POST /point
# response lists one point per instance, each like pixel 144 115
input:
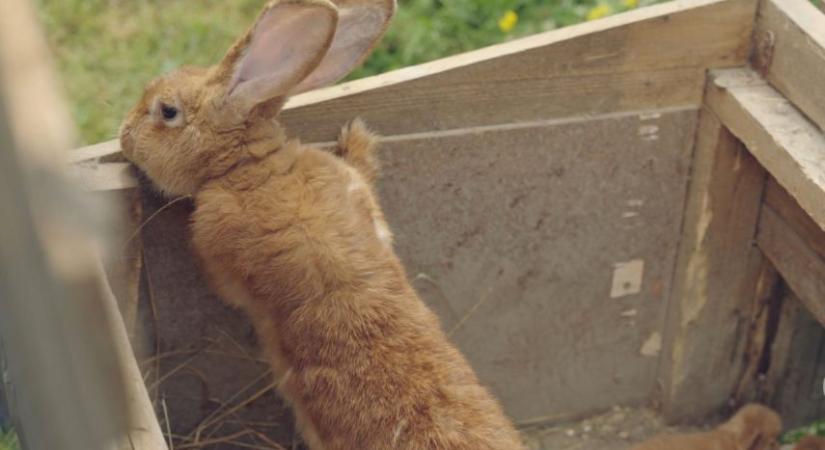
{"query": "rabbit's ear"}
pixel 285 45
pixel 361 23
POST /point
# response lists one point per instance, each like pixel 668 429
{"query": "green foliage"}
pixel 8 440
pixel 424 30
pixel 107 50
pixel 816 429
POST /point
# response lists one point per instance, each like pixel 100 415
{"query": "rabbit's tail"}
pixel 356 145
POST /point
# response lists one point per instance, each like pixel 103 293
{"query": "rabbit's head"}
pixel 197 123
pixel 756 427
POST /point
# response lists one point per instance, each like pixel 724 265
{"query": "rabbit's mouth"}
pixel 127 142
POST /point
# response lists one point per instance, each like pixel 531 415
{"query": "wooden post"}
pixel 716 274
pixel 62 339
pixel 796 57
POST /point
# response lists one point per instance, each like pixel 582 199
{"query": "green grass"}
pixel 106 50
pixel 8 440
pixel 816 429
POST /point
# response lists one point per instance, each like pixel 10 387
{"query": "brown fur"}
pixel 754 427
pixel 295 237
pixel 810 443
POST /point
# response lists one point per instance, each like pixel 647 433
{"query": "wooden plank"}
pixel 773 375
pixel 789 210
pixel 800 366
pixel 94 151
pixel 65 358
pixel 758 352
pixel 801 267
pixel 795 63
pixel 628 62
pixel 94 176
pixel 788 145
pixel 144 431
pixel 715 278
pixel 465 97
pixel 632 61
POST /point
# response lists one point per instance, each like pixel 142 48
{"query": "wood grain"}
pixel 715 278
pixel 784 141
pixel 796 245
pixel 634 61
pixel 796 67
pixel 800 222
pixel 74 382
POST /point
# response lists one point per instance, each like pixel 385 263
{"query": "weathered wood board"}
pixel 639 60
pixel 784 141
pixel 799 396
pixel 796 246
pixel 716 278
pixel 792 33
pixel 546 248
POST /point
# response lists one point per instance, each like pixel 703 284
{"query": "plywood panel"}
pixel 201 356
pixel 514 237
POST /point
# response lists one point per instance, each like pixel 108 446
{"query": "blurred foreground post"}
pixel 68 372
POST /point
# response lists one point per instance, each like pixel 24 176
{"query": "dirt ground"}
pixel 618 429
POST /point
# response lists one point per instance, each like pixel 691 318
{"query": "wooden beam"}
pixel 793 32
pixel 786 207
pixel 144 431
pixel 94 176
pixel 632 61
pixel 786 143
pixel 759 335
pixel 796 246
pixel 94 151
pixel 716 276
pixel 62 340
pixel 800 266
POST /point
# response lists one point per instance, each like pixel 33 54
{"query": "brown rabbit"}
pixel 810 443
pixel 753 427
pixel 295 237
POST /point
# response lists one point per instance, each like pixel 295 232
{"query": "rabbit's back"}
pixel 362 359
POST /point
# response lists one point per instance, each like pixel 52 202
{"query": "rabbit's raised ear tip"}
pixel 328 4
pixel 284 45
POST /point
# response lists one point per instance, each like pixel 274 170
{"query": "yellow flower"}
pixel 597 12
pixel 508 21
pixel 629 4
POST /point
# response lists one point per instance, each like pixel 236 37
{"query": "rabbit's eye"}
pixel 168 112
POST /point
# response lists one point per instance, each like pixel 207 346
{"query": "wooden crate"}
pixel 624 212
